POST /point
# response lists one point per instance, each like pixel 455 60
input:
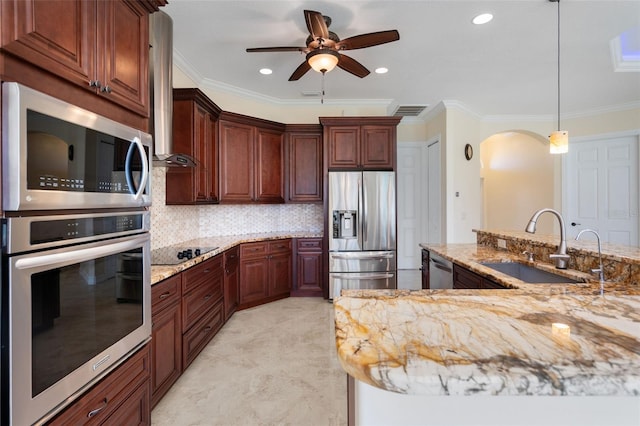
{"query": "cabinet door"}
pixel 236 162
pixel 212 159
pixel 305 168
pixel 425 269
pixel 254 279
pixel 269 164
pixel 344 147
pixel 201 151
pixel 166 351
pixel 56 35
pixel 378 147
pixel 123 53
pixel 180 181
pixel 231 281
pixel 279 274
pixel 309 274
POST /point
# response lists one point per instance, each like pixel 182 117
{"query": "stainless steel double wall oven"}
pixel 75 251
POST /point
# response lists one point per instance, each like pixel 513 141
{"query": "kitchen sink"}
pixel 528 274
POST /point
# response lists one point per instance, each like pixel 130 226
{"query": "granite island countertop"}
pixel 223 243
pixel 490 342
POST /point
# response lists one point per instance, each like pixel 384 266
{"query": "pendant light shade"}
pixel 323 60
pixel 558 140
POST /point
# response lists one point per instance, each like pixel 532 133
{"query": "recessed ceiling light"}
pixel 382 70
pixel 265 71
pixel 482 18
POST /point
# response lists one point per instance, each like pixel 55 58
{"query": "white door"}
pixel 601 188
pixel 412 216
pixel 434 201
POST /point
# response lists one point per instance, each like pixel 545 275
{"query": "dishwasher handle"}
pixel 440 265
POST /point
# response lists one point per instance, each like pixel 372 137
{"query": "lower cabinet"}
pixel 425 269
pixel 308 267
pixel 202 306
pixel 265 272
pixel 121 398
pixel 166 334
pixel 465 279
pixel 231 281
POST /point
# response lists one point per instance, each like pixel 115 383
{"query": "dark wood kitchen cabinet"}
pixel 251 160
pixel 304 165
pixel 122 397
pixel 360 143
pixel 265 272
pixel 425 269
pixel 308 267
pixel 166 336
pixel 194 133
pixel 466 279
pixel 231 281
pixel 101 48
pixel 202 306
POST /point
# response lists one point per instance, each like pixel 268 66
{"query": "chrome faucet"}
pixel 561 257
pixel 600 269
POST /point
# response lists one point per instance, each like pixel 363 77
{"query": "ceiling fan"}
pixel 324 47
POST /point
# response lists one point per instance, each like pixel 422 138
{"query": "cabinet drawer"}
pixel 251 250
pixel 201 333
pixel 279 246
pixel 231 259
pixel 165 293
pixel 200 300
pixel 103 399
pixel 201 273
pixel 309 244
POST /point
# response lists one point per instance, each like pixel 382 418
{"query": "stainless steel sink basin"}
pixel 527 273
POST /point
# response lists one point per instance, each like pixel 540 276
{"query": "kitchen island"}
pixel 532 354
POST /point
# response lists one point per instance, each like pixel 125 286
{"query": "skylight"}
pixel 625 51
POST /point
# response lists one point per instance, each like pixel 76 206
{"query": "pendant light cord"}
pixel 558 64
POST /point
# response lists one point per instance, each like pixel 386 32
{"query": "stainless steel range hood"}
pixel 161 90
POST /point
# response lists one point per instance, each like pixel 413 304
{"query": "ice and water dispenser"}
pixel 345 223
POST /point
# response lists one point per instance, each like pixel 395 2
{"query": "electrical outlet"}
pixel 502 243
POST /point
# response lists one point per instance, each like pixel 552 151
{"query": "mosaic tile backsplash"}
pixel 171 225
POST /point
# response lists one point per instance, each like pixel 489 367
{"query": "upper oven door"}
pixel 56 155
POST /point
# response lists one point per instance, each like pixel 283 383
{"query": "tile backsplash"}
pixel 173 224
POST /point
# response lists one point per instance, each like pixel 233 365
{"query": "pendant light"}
pixel 559 139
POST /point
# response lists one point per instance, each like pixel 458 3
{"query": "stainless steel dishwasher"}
pixel 440 272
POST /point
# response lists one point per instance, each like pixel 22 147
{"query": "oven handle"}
pixel 145 168
pixel 81 254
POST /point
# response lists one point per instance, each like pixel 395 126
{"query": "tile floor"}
pixel 270 365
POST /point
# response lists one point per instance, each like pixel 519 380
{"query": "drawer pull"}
pixel 165 295
pixel 97 410
pixel 206 329
pixel 206 271
pixel 207 297
pixel 232 256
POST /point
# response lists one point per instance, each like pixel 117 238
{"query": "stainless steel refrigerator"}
pixel 362 231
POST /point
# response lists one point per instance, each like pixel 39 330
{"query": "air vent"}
pixel 409 110
pixel 311 94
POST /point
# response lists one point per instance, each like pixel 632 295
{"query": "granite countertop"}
pixel 472 255
pixel 223 243
pixel 490 342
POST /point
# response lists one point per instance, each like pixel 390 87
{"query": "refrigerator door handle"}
pixel 362 256
pixel 368 276
pixel 363 210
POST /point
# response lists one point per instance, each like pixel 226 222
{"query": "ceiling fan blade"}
pixel 368 40
pixel 300 71
pixel 278 49
pixel 316 25
pixel 351 65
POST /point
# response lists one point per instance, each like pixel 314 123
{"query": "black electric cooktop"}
pixel 175 255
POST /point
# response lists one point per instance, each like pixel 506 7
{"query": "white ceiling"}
pixel 508 66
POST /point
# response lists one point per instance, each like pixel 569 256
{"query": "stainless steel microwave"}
pixel 59 156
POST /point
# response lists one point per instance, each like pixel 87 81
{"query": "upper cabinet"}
pixel 360 143
pixel 304 165
pixel 251 160
pixel 101 47
pixel 195 134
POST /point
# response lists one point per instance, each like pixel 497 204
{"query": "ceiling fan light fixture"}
pixel 266 71
pixel 323 60
pixel 382 70
pixel 483 18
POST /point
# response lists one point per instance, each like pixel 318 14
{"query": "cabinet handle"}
pixel 206 329
pixel 97 410
pixel 206 271
pixel 95 83
pixel 207 297
pixel 165 295
pixel 106 89
pixel 232 256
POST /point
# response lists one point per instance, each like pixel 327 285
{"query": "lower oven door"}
pixel 360 280
pixel 74 313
